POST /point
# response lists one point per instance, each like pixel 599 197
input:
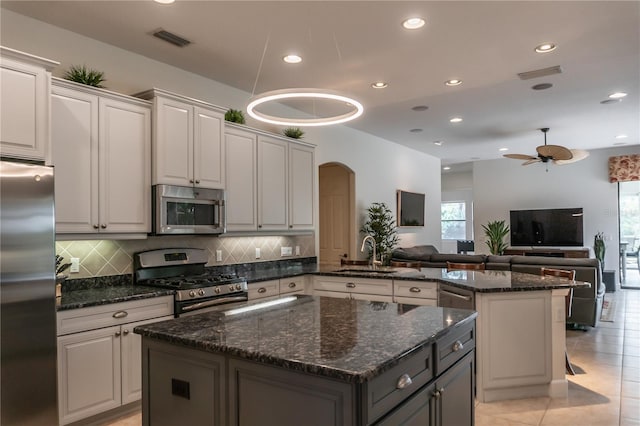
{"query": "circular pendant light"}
pixel 278 95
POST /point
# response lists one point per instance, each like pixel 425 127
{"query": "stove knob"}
pixel 201 292
pixel 238 287
pixel 192 293
pixel 217 290
pixel 231 287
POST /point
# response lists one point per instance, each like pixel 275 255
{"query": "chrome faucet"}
pixel 374 262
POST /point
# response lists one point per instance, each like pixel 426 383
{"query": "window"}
pixel 454 222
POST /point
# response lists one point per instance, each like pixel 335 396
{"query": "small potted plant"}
pixel 495 232
pixel 234 116
pixel 293 132
pixel 599 248
pixel 82 74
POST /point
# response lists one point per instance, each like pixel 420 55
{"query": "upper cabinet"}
pixel 270 182
pixel 101 150
pixel 24 105
pixel 188 148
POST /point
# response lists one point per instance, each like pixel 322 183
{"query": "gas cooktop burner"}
pixel 196 281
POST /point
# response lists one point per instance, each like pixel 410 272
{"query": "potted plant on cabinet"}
pixel 82 74
pixel 599 248
pixel 234 116
pixel 381 225
pixel 495 232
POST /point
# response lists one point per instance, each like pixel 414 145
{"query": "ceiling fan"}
pixel 556 153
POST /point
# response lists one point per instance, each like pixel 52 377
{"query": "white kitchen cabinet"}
pixel 188 147
pixel 99 356
pixel 101 150
pixel 293 285
pixel 25 84
pixel 263 289
pixel 270 182
pixel 415 292
pixel 378 290
pixel 241 165
pixel 273 188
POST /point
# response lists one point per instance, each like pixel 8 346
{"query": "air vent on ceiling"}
pixel 528 75
pixel 171 38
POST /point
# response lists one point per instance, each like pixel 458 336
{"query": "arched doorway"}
pixel 337 213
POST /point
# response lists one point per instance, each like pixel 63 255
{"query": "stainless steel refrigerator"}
pixel 27 296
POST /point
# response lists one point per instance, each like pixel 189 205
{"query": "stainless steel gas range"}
pixel 183 270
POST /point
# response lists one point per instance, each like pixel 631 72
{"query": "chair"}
pixel 467 266
pixel 571 275
pixel 344 261
pixel 400 264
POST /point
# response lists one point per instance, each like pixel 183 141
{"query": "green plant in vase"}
pixel 234 116
pixel 599 248
pixel 381 225
pixel 495 232
pixel 82 74
pixel 293 132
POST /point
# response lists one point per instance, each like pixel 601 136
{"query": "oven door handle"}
pixel 214 302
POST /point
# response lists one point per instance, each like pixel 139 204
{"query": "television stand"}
pixel 577 253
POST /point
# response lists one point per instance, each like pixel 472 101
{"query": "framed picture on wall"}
pixel 410 208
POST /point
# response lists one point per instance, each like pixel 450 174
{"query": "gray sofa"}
pixel 587 302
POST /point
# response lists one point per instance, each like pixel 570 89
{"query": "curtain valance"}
pixel 624 168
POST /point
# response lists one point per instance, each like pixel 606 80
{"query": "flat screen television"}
pixel 410 209
pixel 547 227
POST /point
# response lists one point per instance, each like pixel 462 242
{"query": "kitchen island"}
pixel 311 361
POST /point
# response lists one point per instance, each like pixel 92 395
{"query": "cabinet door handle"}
pixel 438 393
pixel 259 226
pixel 95 226
pixel 292 285
pixel 351 285
pixel 190 180
pixel 197 181
pixel 118 333
pixel 290 226
pixel 120 314
pixel 125 332
pixel 457 346
pixel 262 290
pixel 415 290
pixel 103 226
pixel 404 381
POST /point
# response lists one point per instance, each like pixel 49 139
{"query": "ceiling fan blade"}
pixel 531 161
pixel 578 154
pixel 556 152
pixel 520 156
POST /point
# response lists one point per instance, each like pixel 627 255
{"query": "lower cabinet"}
pixel 100 369
pixel 375 290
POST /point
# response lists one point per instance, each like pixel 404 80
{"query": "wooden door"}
pixel 336 213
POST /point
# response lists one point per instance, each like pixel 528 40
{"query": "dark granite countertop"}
pixel 104 295
pixel 478 281
pixel 350 340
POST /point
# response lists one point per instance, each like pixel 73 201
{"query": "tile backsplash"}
pixel 115 257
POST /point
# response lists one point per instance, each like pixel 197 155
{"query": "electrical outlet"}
pixel 75 265
pixel 257 252
pixel 297 250
pixel 285 251
pixel 218 255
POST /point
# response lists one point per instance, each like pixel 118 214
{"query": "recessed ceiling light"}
pixel 545 47
pixel 292 59
pixel 456 120
pixel 164 1
pixel 503 149
pixel 379 84
pixel 413 23
pixel 438 143
pixel 610 101
pixel 446 168
pixel 617 95
pixel 415 130
pixel 453 82
pixel 621 137
pixel 420 108
pixel 542 86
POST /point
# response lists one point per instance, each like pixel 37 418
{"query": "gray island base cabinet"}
pixel 261 370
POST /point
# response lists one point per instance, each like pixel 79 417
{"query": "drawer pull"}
pixel 415 290
pixel 262 290
pixel 404 381
pixel 438 393
pixel 125 332
pixel 292 285
pixel 457 346
pixel 118 333
pixel 120 314
pixel 351 285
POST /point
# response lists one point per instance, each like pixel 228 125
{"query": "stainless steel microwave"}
pixel 188 210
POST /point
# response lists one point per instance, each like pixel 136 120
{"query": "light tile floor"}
pixel 604 392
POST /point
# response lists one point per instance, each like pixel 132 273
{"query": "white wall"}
pixel 503 185
pixel 381 167
pixel 458 187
